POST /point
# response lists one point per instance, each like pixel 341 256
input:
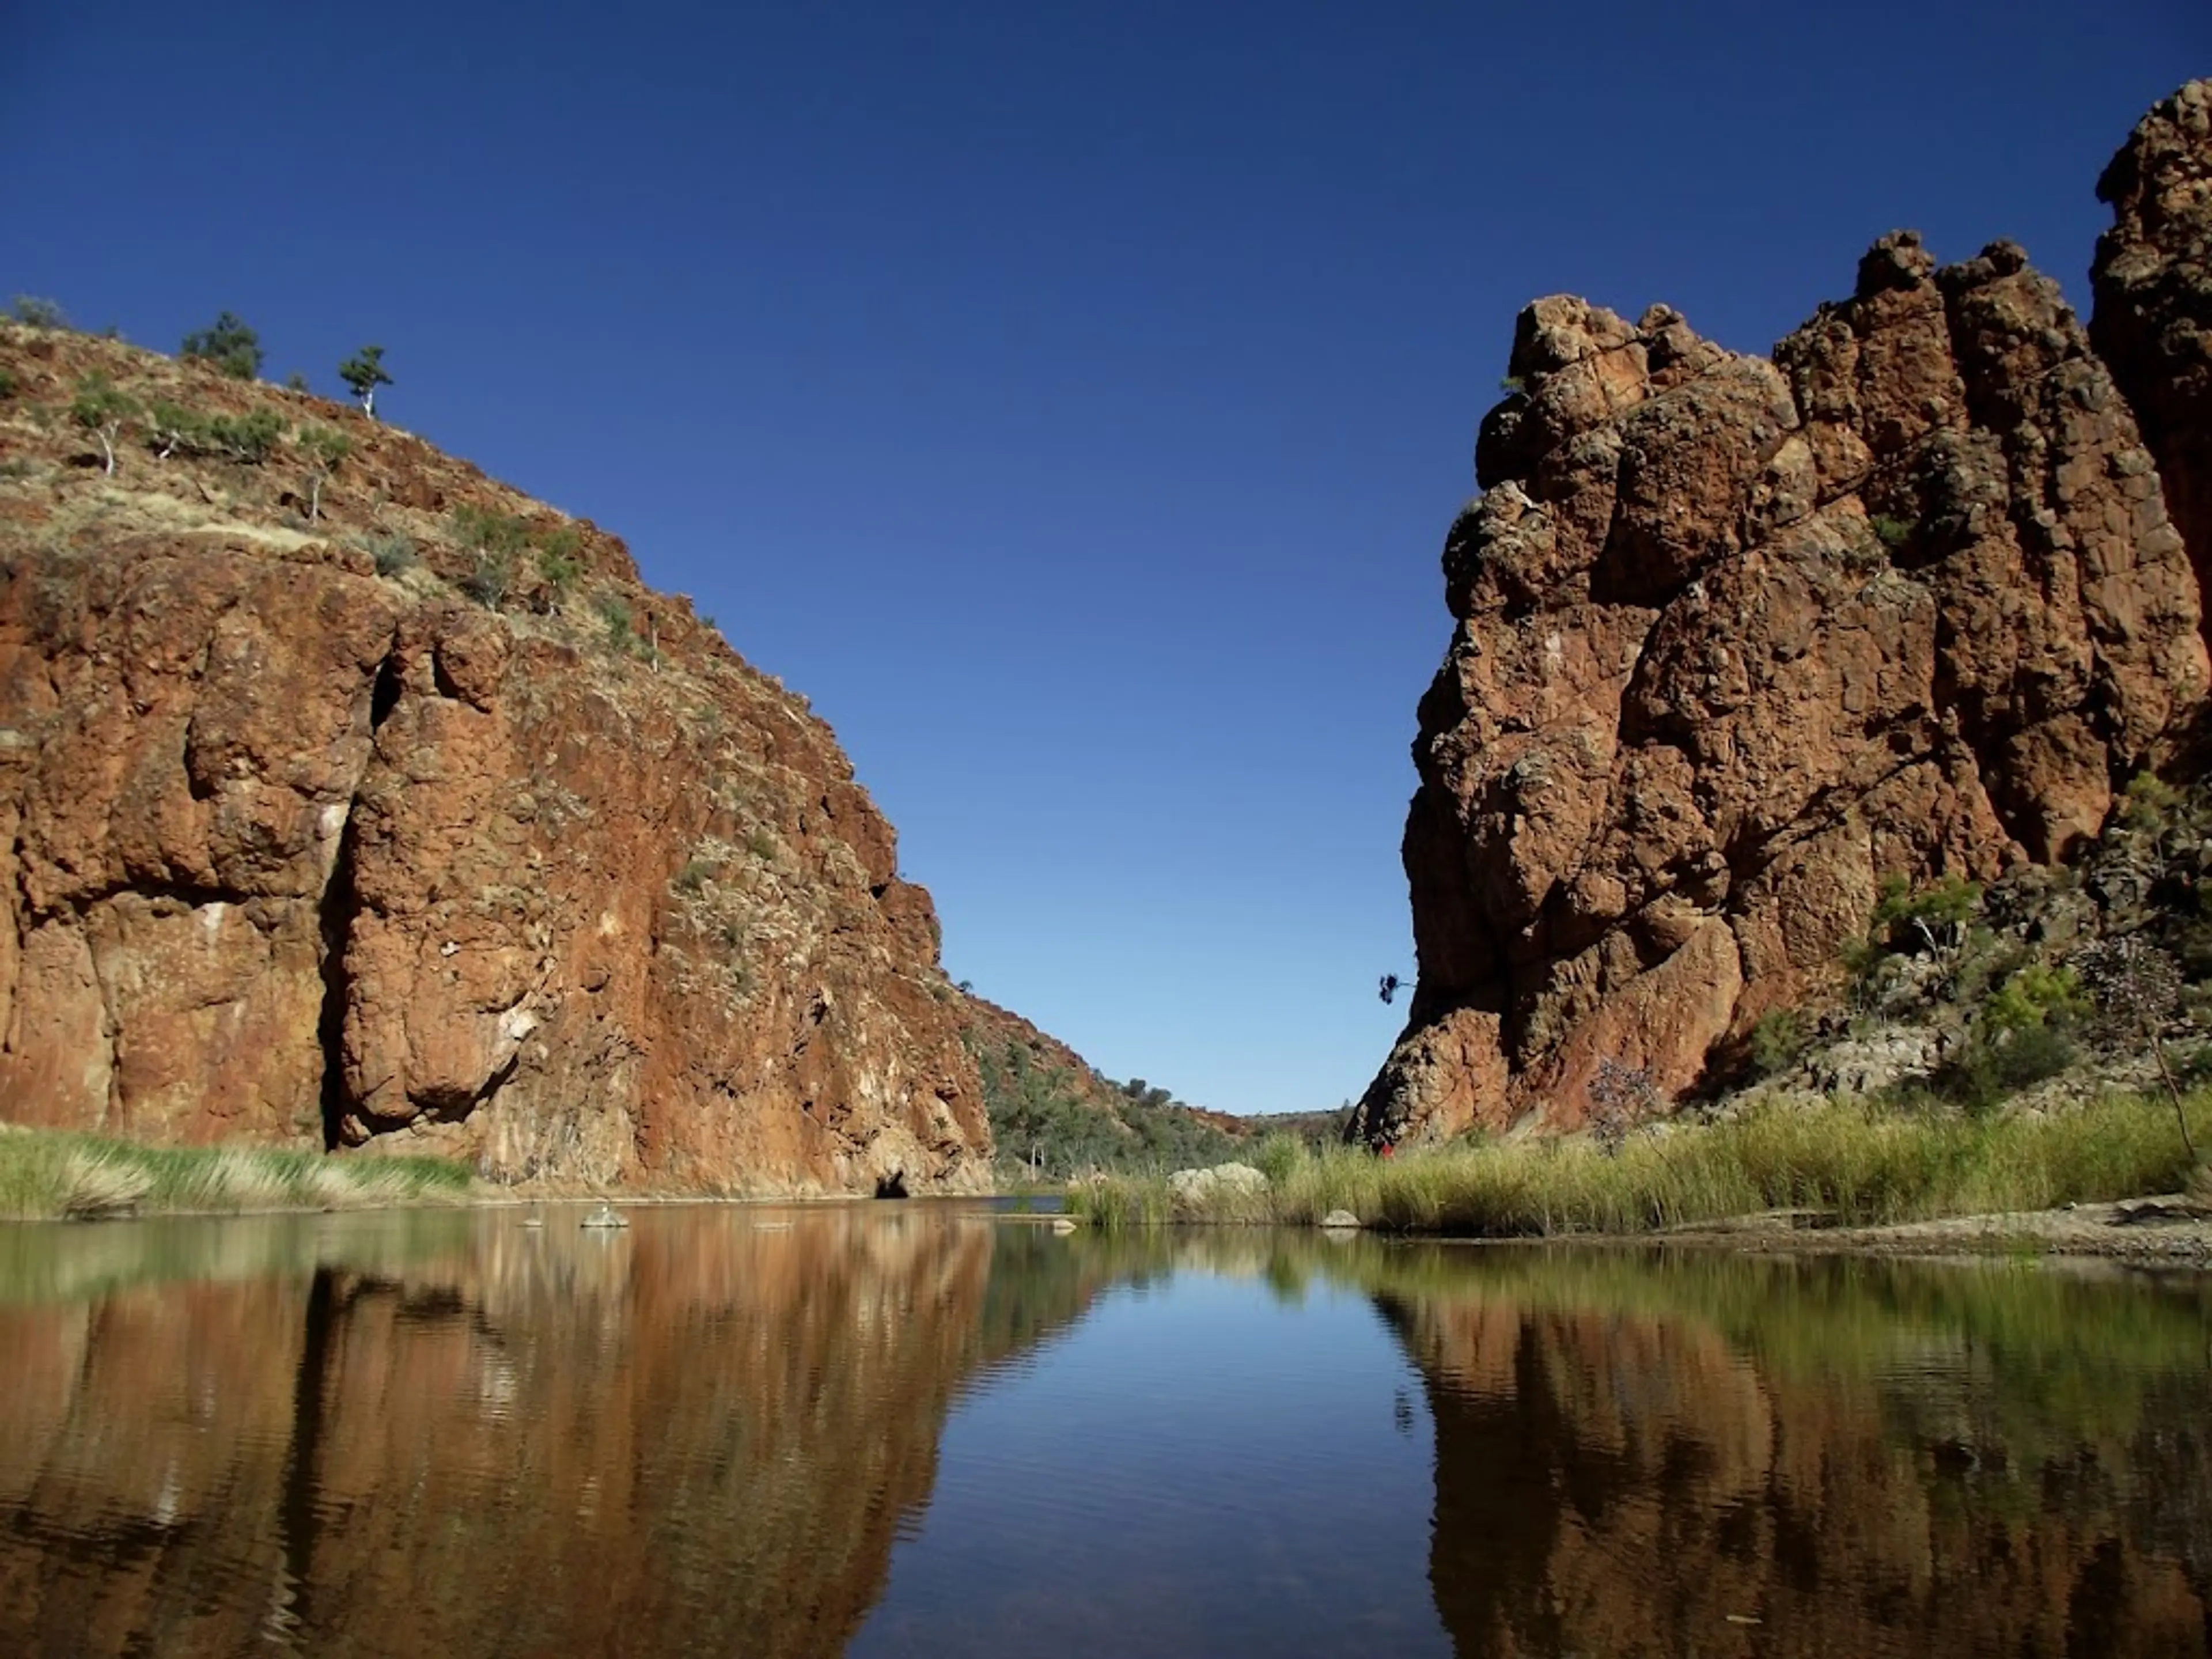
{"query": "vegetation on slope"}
pixel 1055 1121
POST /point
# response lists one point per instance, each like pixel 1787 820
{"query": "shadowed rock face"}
pixel 2153 279
pixel 1637 1484
pixel 1740 637
pixel 699 1438
pixel 298 852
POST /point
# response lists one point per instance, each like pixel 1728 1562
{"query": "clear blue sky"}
pixel 1071 399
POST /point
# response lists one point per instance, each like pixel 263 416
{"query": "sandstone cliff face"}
pixel 2152 278
pixel 1740 637
pixel 295 852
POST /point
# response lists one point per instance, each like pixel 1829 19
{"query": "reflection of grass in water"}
pixel 54 1173
pixel 60 1264
pixel 2052 1349
pixel 1859 1163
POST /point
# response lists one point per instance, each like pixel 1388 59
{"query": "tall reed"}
pixel 1851 1161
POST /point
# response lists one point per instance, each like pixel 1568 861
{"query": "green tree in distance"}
pixel 229 345
pixel 363 373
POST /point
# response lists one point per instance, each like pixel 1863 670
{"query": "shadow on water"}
pixel 711 1431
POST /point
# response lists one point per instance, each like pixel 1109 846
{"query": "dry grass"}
pixel 1857 1164
pixel 45 1174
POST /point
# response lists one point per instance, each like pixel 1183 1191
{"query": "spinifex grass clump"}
pixel 1855 1163
pixel 45 1174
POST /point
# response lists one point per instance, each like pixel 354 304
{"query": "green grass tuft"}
pixel 49 1173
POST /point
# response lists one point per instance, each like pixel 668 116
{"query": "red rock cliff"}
pixel 419 822
pixel 1739 637
pixel 2153 285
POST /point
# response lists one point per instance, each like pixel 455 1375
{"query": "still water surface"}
pixel 917 1428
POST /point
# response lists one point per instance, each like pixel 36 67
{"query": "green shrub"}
pixel 492 532
pixel 615 615
pixel 172 430
pixel 1892 533
pixel 694 875
pixel 251 438
pixel 8 384
pixel 103 411
pixel 559 569
pixel 393 554
pixel 228 345
pixel 33 313
pixel 1779 1040
pixel 762 845
pixel 2035 997
pixel 489 582
pixel 2150 803
pixel 1908 917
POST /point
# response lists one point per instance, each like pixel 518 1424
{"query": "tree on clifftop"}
pixel 229 345
pixel 364 372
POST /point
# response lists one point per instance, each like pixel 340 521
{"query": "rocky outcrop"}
pixel 420 822
pixel 1737 639
pixel 2152 277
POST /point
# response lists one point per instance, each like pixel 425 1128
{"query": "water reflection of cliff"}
pixel 693 1437
pixel 1727 1457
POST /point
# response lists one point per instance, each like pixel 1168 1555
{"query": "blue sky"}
pixel 1070 398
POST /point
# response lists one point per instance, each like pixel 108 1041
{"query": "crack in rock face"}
pixel 1740 637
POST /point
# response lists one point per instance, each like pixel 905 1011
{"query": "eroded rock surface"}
pixel 303 844
pixel 2153 321
pixel 1740 637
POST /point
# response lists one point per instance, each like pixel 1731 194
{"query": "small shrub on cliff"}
pixel 557 560
pixel 2151 805
pixel 489 582
pixel 1892 533
pixel 103 411
pixel 228 345
pixel 620 626
pixel 692 877
pixel 325 449
pixel 1779 1040
pixel 32 311
pixel 393 554
pixel 171 428
pixel 1934 917
pixel 8 384
pixel 491 531
pixel 250 438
